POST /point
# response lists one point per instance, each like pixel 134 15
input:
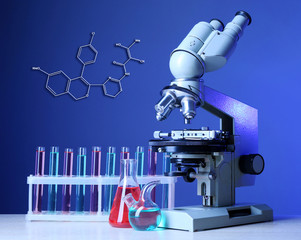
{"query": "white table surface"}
pixel 15 227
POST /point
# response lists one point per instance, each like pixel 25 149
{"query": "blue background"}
pixel 263 72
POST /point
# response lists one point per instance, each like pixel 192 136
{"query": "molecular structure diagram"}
pixel 70 81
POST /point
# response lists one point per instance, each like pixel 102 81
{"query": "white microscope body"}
pixel 206 48
pixel 220 160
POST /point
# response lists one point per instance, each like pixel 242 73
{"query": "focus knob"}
pixel 251 164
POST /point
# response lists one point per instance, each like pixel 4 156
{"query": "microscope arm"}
pixel 241 120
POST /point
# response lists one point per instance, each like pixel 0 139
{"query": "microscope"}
pixel 220 160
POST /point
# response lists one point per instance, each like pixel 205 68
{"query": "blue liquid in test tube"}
pixel 139 156
pixel 167 167
pixel 81 172
pixel 110 171
pixel 53 171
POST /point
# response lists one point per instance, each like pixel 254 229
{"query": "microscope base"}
pixel 197 218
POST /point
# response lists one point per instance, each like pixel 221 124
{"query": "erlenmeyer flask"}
pixel 127 184
pixel 144 215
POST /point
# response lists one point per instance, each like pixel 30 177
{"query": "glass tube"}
pixel 110 171
pixel 167 167
pixel 67 172
pixel 39 171
pixel 125 153
pixel 95 171
pixel 81 172
pixel 53 171
pixel 152 165
pixel 139 156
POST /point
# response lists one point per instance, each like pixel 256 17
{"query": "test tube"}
pixel 67 172
pixel 125 153
pixel 139 156
pixel 95 171
pixel 39 171
pixel 81 172
pixel 53 171
pixel 167 167
pixel 110 171
pixel 152 164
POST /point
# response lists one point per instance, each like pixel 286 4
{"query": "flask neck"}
pixel 147 189
pixel 128 173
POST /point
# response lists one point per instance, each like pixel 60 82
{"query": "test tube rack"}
pixel 88 180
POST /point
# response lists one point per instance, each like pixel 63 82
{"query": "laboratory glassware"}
pixel 53 171
pixel 125 153
pixel 110 171
pixel 95 172
pixel 152 165
pixel 139 155
pixel 144 214
pixel 67 172
pixel 39 171
pixel 127 184
pixel 167 167
pixel 81 172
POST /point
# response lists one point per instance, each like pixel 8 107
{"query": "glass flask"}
pixel 127 184
pixel 144 215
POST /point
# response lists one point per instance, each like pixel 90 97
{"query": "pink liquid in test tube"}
pixel 39 171
pixel 67 172
pixel 125 153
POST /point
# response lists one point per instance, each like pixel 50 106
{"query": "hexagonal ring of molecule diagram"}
pixel 52 83
pixel 106 89
pixel 87 50
pixel 79 88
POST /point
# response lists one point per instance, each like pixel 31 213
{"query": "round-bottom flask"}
pixel 144 215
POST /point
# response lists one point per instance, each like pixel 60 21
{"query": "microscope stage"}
pixel 192 146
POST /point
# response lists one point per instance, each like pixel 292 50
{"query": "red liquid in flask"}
pixel 119 216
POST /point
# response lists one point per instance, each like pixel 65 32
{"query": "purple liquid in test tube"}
pixel 152 165
pixel 67 172
pixel 39 171
pixel 125 153
pixel 95 171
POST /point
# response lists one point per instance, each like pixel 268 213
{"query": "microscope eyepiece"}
pixel 221 27
pixel 245 14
